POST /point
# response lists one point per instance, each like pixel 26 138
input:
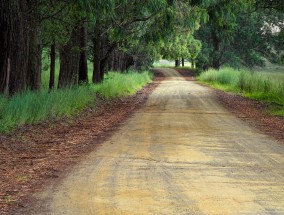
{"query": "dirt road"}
pixel 180 154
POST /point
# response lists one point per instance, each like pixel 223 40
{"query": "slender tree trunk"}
pixel 182 62
pixel 216 54
pixel 115 60
pixel 35 52
pixel 106 55
pixel 52 66
pixel 83 64
pixel 109 63
pixel 97 54
pixel 69 61
pixel 136 63
pixel 192 64
pixel 121 61
pixel 177 63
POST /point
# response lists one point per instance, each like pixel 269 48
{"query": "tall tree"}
pixel 83 62
pixel 14 43
pixel 244 38
pixel 69 60
pixel 35 49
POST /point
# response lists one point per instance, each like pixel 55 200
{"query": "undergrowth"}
pixel 34 107
pixel 250 84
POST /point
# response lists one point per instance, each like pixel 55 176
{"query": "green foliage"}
pixel 250 84
pixel 181 46
pixel 157 28
pixel 34 107
pixel 240 34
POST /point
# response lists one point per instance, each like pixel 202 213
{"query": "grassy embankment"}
pixel 35 107
pixel 262 85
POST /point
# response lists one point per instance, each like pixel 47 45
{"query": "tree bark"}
pixel 177 63
pixel 137 65
pixel 182 62
pixel 97 54
pixel 216 54
pixel 4 55
pixel 69 60
pixel 14 43
pixel 104 60
pixel 52 66
pixel 115 65
pixel 83 63
pixel 35 55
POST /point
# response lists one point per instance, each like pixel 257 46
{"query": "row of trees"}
pixel 117 34
pixel 113 34
pixel 242 34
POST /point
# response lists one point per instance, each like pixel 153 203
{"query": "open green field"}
pixel 265 84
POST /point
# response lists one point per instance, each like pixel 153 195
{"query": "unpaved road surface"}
pixel 180 154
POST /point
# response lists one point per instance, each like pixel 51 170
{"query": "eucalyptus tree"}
pixel 239 35
pixel 174 22
pixel 21 42
pixel 71 21
pixel 181 47
pixel 121 22
pixel 16 46
pixel 69 51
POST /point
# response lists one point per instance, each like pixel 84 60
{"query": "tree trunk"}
pixel 177 63
pixel 35 52
pixel 115 65
pixel 216 53
pixel 136 63
pixel 97 54
pixel 182 62
pixel 106 55
pixel 52 66
pixel 14 46
pixel 109 63
pixel 4 55
pixel 69 61
pixel 83 64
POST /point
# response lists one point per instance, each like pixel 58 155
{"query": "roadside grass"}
pixel 125 84
pixel 267 87
pixel 34 107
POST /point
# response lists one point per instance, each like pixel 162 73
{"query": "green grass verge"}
pixel 35 107
pixel 124 84
pixel 260 86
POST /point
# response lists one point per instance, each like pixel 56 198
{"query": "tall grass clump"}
pixel 226 76
pixel 33 107
pixel 250 84
pixel 122 84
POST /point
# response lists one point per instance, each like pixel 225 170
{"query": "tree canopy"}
pixel 122 34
